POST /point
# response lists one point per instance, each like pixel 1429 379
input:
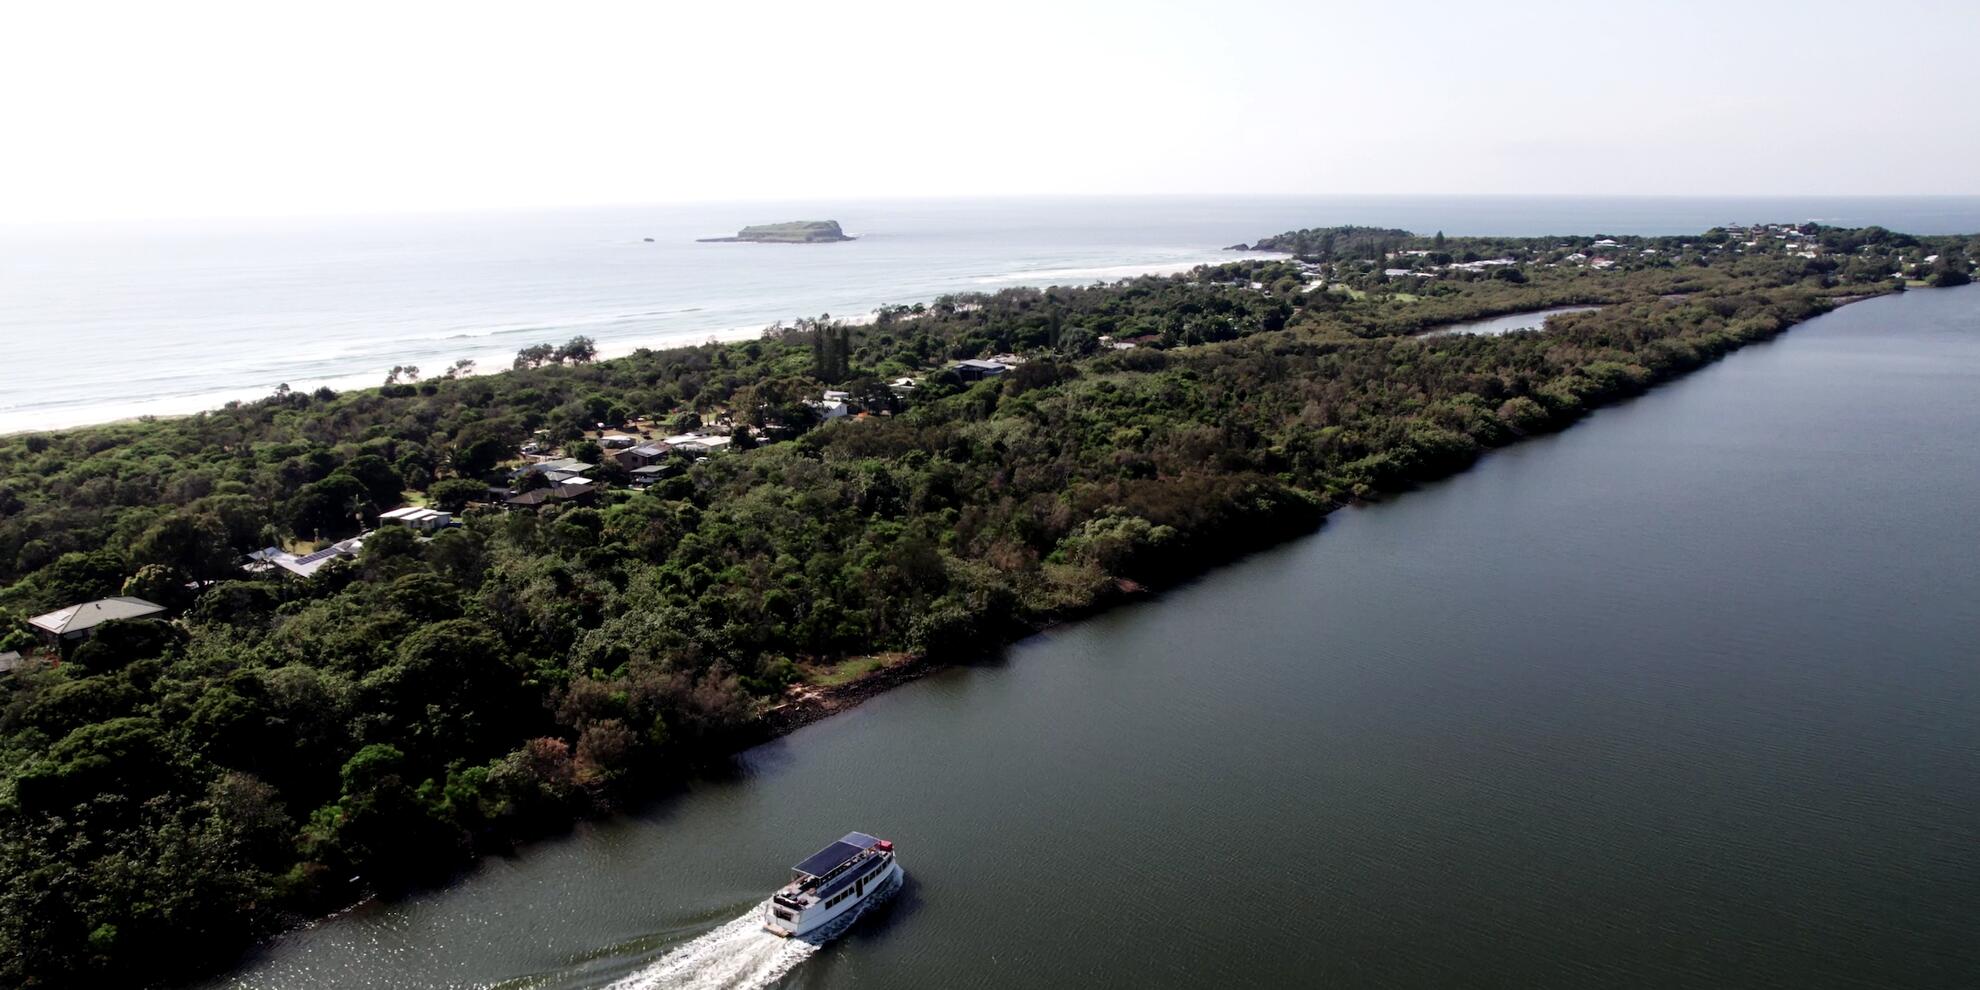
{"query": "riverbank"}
pixel 379 726
pixel 1609 707
pixel 831 692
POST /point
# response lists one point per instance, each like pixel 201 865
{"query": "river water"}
pixel 1688 694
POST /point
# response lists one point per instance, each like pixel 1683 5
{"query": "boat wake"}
pixel 740 955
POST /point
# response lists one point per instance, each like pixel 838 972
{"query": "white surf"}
pixel 740 955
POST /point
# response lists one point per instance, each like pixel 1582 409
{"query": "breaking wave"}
pixel 740 955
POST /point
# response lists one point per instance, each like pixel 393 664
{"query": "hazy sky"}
pixel 191 108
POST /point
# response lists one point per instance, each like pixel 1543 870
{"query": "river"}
pixel 1688 694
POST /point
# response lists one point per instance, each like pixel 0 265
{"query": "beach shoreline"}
pixel 45 419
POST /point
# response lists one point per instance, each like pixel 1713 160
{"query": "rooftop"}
pixel 835 855
pixel 79 618
pixel 310 563
pixel 412 513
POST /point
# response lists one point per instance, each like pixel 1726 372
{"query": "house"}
pixel 304 565
pixel 565 492
pixel 564 465
pixel 829 409
pixel 617 441
pixel 428 521
pixel 976 371
pixel 11 661
pixel 645 477
pixel 634 458
pixel 902 386
pixel 263 560
pixel 558 470
pixel 702 445
pixel 77 621
pixel 837 395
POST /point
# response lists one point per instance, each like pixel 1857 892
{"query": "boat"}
pixel 830 884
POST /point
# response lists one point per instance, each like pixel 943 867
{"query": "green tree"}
pixel 194 545
pixel 478 456
pixel 454 494
pixel 383 826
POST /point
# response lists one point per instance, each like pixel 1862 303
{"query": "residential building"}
pixel 564 492
pixel 701 445
pixel 303 565
pixel 634 458
pixel 428 521
pixel 77 622
pixel 645 477
pixel 976 371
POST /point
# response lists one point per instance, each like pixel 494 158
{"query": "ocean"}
pixel 108 322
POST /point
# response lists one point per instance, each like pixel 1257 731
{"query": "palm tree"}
pixel 357 506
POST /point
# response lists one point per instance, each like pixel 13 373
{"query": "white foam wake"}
pixel 739 955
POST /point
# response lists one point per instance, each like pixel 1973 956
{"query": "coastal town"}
pixel 441 615
pixel 605 460
pixel 1863 255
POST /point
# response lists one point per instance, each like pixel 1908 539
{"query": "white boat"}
pixel 831 883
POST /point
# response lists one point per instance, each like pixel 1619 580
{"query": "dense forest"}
pixel 282 746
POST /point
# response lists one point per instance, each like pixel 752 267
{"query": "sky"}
pixel 191 109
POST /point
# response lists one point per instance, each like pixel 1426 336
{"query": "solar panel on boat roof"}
pixel 825 860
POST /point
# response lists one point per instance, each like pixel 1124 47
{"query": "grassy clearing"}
pixel 843 673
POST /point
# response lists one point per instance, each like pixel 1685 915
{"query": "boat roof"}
pixel 835 855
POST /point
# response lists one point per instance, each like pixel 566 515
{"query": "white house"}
pixel 700 444
pixel 423 520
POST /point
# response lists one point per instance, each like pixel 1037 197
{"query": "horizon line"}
pixel 851 199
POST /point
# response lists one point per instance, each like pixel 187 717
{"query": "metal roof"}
pixel 77 618
pixel 835 855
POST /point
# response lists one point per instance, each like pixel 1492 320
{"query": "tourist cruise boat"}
pixel 830 884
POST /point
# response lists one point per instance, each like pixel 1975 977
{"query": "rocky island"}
pixel 794 232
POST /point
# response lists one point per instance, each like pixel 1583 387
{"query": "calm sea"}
pixel 105 322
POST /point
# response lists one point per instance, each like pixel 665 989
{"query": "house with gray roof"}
pixel 976 371
pixel 76 622
pixel 634 458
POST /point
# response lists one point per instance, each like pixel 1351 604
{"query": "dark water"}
pixel 1688 695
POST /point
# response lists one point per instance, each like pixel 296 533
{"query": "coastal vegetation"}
pixel 283 746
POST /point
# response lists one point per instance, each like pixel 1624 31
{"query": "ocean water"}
pixel 106 322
